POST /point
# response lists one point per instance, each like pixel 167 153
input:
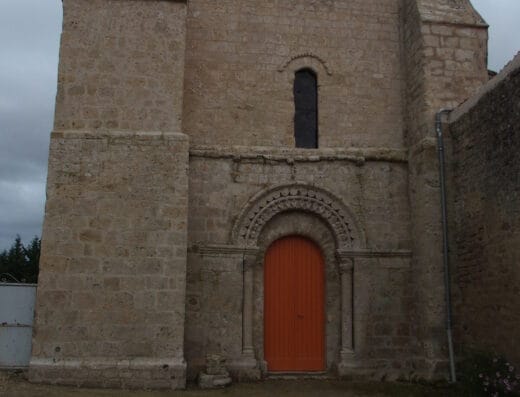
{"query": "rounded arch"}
pixel 306 61
pixel 297 197
pixel 307 69
pixel 298 223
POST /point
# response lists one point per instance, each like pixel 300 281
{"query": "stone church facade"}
pixel 174 169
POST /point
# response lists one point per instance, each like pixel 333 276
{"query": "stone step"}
pixel 299 375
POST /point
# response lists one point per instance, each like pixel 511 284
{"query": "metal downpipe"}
pixel 447 286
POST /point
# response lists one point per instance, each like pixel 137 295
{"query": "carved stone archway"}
pixel 348 237
pixel 297 197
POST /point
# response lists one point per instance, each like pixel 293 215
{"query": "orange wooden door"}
pixel 294 337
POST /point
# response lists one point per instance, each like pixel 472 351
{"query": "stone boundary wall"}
pixel 485 237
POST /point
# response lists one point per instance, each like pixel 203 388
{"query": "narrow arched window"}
pixel 306 109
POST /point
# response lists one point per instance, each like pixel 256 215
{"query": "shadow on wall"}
pixel 485 212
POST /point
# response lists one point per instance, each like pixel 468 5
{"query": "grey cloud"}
pixel 503 17
pixel 29 37
pixel 21 211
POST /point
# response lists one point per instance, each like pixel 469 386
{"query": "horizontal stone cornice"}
pixel 110 134
pixel 368 253
pixel 221 250
pixel 457 24
pixel 290 155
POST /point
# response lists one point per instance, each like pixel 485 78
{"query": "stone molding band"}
pixel 222 250
pixel 233 250
pixel 112 134
pixel 344 254
pixel 290 156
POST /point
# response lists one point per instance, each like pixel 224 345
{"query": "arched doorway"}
pixel 294 291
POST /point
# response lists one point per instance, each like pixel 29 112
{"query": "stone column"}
pixel 247 313
pixel 246 367
pixel 346 359
pixel 363 285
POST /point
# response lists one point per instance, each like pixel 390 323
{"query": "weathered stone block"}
pixel 207 381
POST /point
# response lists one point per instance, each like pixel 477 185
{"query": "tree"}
pixel 32 255
pixel 19 263
pixel 3 262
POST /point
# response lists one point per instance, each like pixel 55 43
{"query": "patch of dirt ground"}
pixel 16 386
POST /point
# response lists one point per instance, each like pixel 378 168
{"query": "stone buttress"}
pixel 110 302
pixel 444 62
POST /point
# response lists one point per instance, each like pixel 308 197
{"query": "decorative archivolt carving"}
pixel 296 197
pixel 308 57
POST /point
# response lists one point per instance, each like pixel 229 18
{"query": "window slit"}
pixel 306 109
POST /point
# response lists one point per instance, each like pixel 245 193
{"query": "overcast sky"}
pixel 29 39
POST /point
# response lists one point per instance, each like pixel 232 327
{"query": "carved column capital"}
pixel 250 258
pixel 346 265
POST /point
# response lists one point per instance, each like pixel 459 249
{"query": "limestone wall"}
pixel 135 75
pixel 444 61
pixel 223 181
pixel 241 57
pixel 110 304
pixel 380 85
pixel 485 237
pixel 121 65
